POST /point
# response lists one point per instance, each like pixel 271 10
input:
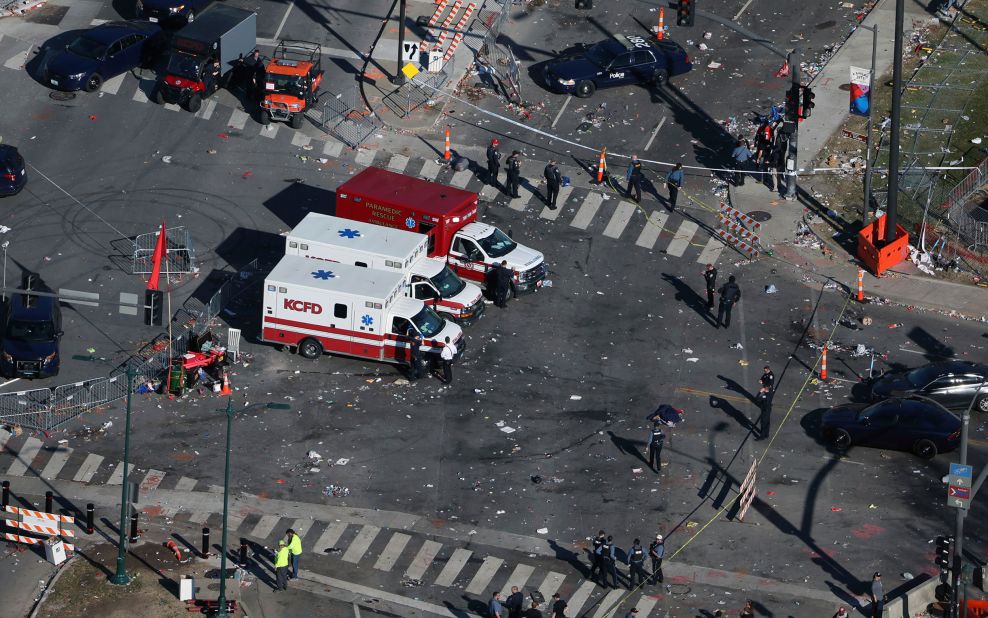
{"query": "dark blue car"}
pixel 915 424
pixel 172 12
pixel 32 327
pixel 616 62
pixel 104 52
pixel 13 175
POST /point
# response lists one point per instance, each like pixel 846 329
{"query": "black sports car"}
pixel 952 384
pixel 914 424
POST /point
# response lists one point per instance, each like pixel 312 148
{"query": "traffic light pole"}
pixel 866 208
pixel 793 139
pixel 958 557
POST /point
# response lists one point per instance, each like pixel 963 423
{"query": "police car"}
pixel 615 62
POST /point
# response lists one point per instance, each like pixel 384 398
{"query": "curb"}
pixel 51 584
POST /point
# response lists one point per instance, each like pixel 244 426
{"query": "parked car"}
pixel 32 327
pixel 952 384
pixel 914 424
pixel 13 175
pixel 104 52
pixel 171 12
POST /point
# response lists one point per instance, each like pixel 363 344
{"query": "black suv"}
pixel 32 326
pixel 952 384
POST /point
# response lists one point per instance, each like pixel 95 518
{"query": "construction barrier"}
pixel 747 490
pixel 732 212
pixel 440 8
pixel 602 165
pixel 447 155
pixel 460 25
pixel 860 285
pixel 446 24
pixel 30 540
pixel 662 23
pixel 65 519
pixel 39 529
pixel 738 244
pixel 823 363
pixel 739 230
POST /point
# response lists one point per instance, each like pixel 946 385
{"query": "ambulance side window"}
pixel 339 311
pixel 400 326
pixel 467 248
pixel 424 291
pixel 361 264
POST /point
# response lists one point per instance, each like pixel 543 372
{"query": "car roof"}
pixel 957 367
pixel 8 153
pixel 114 30
pixel 41 307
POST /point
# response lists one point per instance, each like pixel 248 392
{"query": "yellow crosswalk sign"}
pixel 410 70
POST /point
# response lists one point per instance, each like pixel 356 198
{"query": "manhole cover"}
pixel 56 95
pixel 760 216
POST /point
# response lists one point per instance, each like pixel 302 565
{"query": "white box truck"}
pixel 430 280
pixel 316 306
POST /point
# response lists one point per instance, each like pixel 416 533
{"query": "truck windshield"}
pixel 184 65
pixel 286 84
pixel 448 283
pixel 497 244
pixel 25 330
pixel 428 322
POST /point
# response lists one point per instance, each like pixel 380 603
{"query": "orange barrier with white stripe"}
pixel 602 165
pixel 736 228
pixel 30 540
pixel 32 527
pixel 738 244
pixel 447 155
pixel 460 25
pixel 446 24
pixel 440 8
pixel 823 364
pixel 65 519
pixel 860 285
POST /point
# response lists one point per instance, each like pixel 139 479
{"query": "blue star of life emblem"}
pixel 410 223
pixel 366 320
pixel 323 274
pixel 348 233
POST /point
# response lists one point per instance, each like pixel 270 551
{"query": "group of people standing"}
pixel 730 295
pixel 288 555
pixel 768 155
pixel 604 559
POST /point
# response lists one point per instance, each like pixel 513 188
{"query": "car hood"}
pixel 842 415
pixel 523 258
pixel 67 63
pixel 33 350
pixel 892 384
pixel 573 68
pixel 163 4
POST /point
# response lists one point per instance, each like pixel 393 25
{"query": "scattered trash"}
pixel 737 346
pixel 166 159
pixel 637 470
pixel 692 359
pixel 342 461
pixel 543 531
pixel 313 456
pixel 687 350
pixel 575 397
pixel 508 430
pixel 107 425
pixel 336 491
pixel 537 479
pixel 771 289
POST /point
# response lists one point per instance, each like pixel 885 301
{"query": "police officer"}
pixel 674 182
pixel 655 440
pixel 764 401
pixel 248 73
pixel 609 557
pixel 710 279
pixel 212 75
pixel 636 564
pixel 553 178
pixel 415 354
pixel 493 162
pixel 635 176
pixel 514 173
pixel 730 293
pixel 741 155
pixel 514 603
pixel 657 551
pixel 502 284
pixel 768 378
pixel 596 560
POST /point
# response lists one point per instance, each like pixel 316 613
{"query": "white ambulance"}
pixel 316 306
pixel 430 280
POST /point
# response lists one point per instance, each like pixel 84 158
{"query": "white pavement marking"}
pixel 332 148
pixel 25 456
pixel 549 213
pixel 172 107
pixel 711 251
pixel 551 583
pixel 519 577
pixel 460 179
pixel 88 469
pixel 98 22
pixel 301 527
pixel 284 18
pixel 185 484
pixel 139 95
pixel 484 575
pixel 4 436
pixel 610 601
pixel 149 483
pixel 653 227
pixel 655 132
pixel 560 112
pixel 361 543
pixel 264 527
pixel 682 238
pixel 112 85
pixel 453 567
pixel 301 140
pixel 398 163
pixel 356 610
pixel 579 598
pixel 430 169
pixel 619 220
pixel 421 607
pixel 128 303
pixel 270 131
pixel 116 477
pixel 530 187
pixel 743 9
pixel 238 119
pixel 199 517
pixel 17 62
pixel 232 521
pixel 329 537
pixel 9 382
pixel 206 111
pixel 396 545
pixel 365 157
pixel 645 605
pixel 587 211
pixel 489 193
pixel 422 560
pixel 56 463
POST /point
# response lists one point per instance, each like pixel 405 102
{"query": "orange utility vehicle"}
pixel 291 80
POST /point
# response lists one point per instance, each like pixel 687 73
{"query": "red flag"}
pixel 784 71
pixel 159 254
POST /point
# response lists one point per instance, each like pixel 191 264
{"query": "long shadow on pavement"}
pixel 689 296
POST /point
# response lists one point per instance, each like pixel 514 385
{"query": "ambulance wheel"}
pixel 296 121
pixel 194 103
pixel 310 348
pixel 585 88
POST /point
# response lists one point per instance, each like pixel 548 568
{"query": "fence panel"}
pixel 26 408
pixel 71 400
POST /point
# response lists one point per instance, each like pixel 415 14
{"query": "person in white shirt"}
pixel 446 355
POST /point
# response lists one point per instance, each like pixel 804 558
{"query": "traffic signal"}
pixel 808 103
pixel 685 13
pixel 153 307
pixel 942 558
pixel 792 103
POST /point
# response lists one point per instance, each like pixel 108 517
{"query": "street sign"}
pixel 410 70
pixel 959 486
pixel 409 51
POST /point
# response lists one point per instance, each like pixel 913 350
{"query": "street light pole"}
pixel 399 78
pixel 226 500
pixel 120 578
pixel 5 244
pixel 961 513
pixel 791 156
pixel 892 205
pixel 866 208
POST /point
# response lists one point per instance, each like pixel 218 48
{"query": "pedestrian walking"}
pixel 596 558
pixel 533 611
pixel 710 280
pixel 514 603
pixel 657 551
pixel 636 565
pixel 730 294
pixel 558 607
pixel 748 611
pixel 609 556
pixel 414 354
pixel 655 441
pixel 446 355
pixel 767 378
pixel 741 156
pixel 493 162
pixel 281 560
pixel 635 176
pixel 295 547
pixel 841 612
pixel 494 608
pixel 674 182
pixel 514 173
pixel 877 595
pixel 764 401
pixel 553 180
pixel 502 283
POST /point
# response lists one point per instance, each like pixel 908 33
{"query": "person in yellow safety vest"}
pixel 295 547
pixel 281 566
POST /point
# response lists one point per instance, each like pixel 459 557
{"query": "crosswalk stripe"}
pixel 645 605
pixel 199 517
pixel 172 107
pixel 587 210
pixel 139 94
pixel 579 598
pixel 711 251
pixel 430 169
pixel 460 179
pixel 551 583
pixel 238 119
pixel 484 575
pixel 185 484
pixel 301 527
pixel 97 22
pixel 422 560
pixel 489 193
pixel 519 577
pixel 17 62
pixel 453 567
pixel 619 220
pixel 332 148
pixel 88 469
pixel 206 111
pixel 112 85
pixel 25 456
pixel 329 537
pixel 653 227
pixel 232 521
pixel 149 483
pixel 552 215
pixel 300 139
pixel 396 545
pixel 528 191
pixel 682 238
pixel 365 157
pixel 264 526
pixel 361 544
pixel 398 163
pixel 117 476
pixel 613 598
pixel 56 463
pixel 270 131
pixel 4 436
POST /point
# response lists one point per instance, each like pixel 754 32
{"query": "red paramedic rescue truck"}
pixel 448 215
pixel 316 306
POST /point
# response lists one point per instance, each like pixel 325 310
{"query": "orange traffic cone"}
pixel 174 548
pixel 823 364
pixel 447 155
pixel 226 385
pixel 601 166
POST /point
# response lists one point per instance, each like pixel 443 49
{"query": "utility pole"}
pixel 120 578
pixel 958 557
pixel 399 78
pixel 866 207
pixel 893 198
pixel 793 145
